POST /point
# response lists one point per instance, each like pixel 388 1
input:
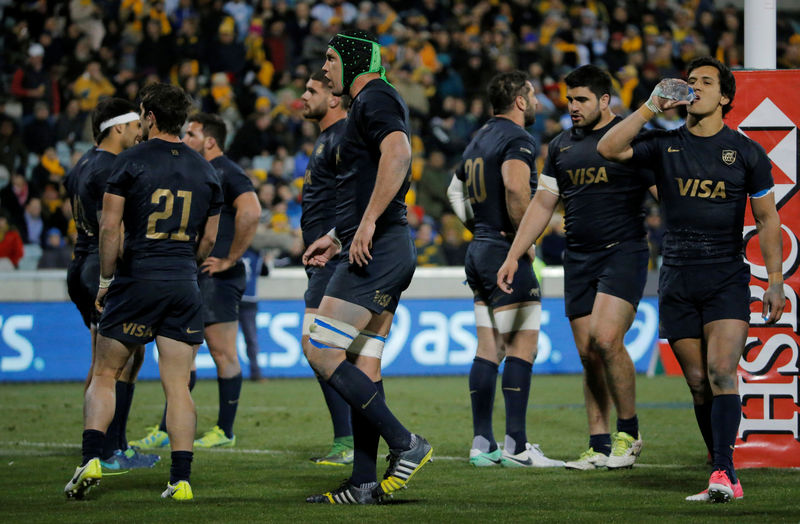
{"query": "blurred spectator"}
pixel 154 54
pixel 11 247
pixel 32 227
pixel 39 133
pixel 429 246
pixel 70 124
pixel 655 235
pixel 49 170
pixel 431 188
pixel 92 86
pixel 253 138
pixel 554 243
pixel 56 254
pixel 13 155
pixel 14 197
pixel 454 245
pixel 32 83
pixel 227 55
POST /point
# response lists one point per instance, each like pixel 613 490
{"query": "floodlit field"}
pixel 281 423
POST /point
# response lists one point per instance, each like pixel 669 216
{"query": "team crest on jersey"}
pixel 320 149
pixel 728 156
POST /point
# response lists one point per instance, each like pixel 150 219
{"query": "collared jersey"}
pixel 170 191
pixel 377 111
pixel 497 141
pixel 319 184
pixel 703 184
pixel 603 200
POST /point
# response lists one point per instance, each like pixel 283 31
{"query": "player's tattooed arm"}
pixel 248 211
pixel 110 241
pixel 208 239
pixel 535 220
pixel 769 237
pixel 392 171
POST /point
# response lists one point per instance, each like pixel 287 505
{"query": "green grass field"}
pixel 283 422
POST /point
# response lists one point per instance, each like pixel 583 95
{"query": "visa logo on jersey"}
pixel 695 187
pixel 588 175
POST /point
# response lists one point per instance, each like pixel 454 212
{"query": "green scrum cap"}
pixel 360 54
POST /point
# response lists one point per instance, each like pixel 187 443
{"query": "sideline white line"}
pixel 28 444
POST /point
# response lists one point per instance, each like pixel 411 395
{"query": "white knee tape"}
pixel 308 319
pixel 520 319
pixel 331 333
pixel 483 316
pixel 368 344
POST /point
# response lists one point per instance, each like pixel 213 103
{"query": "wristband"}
pixel 652 105
pixel 332 234
pixel 105 282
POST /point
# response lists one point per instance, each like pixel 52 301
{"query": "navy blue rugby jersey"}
pixel 234 183
pixel 603 200
pixel 170 191
pixel 497 141
pixel 703 184
pixel 84 204
pixel 377 111
pixel 319 184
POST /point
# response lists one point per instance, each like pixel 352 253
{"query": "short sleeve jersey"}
pixel 234 183
pixel 497 141
pixel 377 111
pixel 603 200
pixel 86 202
pixel 170 191
pixel 319 184
pixel 703 184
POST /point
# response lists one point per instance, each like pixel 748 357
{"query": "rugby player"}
pixel 705 173
pixel 499 172
pixel 605 265
pixel 222 275
pixel 169 199
pixel 116 127
pixel 376 263
pixel 319 191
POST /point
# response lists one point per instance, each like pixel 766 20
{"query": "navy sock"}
pixel 365 446
pixel 111 442
pixel 92 446
pixel 482 387
pixel 601 443
pixel 363 396
pixel 192 381
pixel 726 413
pixel 629 426
pixel 338 408
pixel 702 412
pixel 123 421
pixel 181 467
pixel 516 389
pixel 229 390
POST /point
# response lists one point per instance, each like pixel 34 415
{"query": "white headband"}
pixel 121 119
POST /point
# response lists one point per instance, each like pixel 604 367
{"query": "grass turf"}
pixel 281 423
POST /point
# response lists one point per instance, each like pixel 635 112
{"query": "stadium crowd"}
pixel 248 61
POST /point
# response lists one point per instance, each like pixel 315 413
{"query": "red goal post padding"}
pixel 767 109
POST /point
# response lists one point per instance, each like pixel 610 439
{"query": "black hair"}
pixel 168 103
pixel 107 109
pixel 591 77
pixel 213 126
pixel 727 82
pixel 504 88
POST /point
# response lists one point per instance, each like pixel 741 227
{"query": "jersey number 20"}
pixel 476 185
pixel 186 206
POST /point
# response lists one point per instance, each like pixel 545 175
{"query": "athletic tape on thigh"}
pixel 368 344
pixel 483 316
pixel 524 318
pixel 329 333
pixel 308 319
